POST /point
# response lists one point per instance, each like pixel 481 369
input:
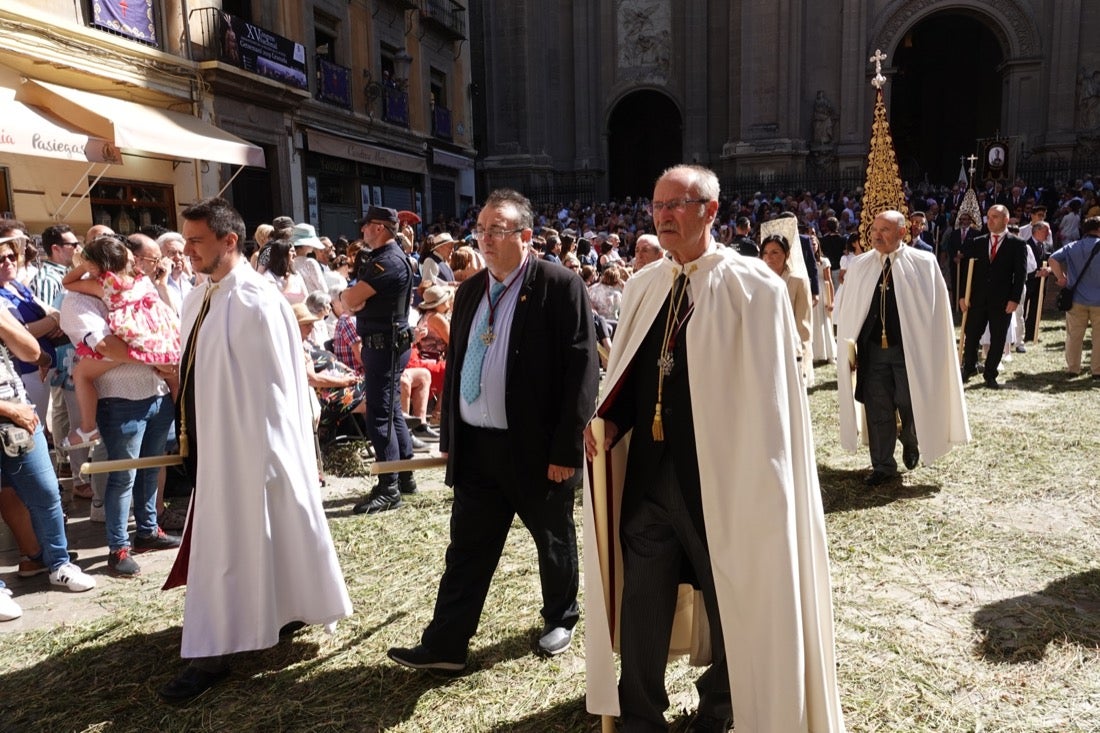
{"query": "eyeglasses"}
pixel 491 235
pixel 677 205
pixel 9 258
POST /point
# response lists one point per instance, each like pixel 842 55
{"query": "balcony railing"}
pixel 395 106
pixel 441 123
pixel 218 36
pixel 333 83
pixel 445 15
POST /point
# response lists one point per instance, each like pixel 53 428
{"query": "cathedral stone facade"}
pixel 595 97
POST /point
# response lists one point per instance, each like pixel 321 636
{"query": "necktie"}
pixel 993 249
pixel 470 387
pixel 187 368
pixel 883 287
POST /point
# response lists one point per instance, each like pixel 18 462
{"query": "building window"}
pixel 326 29
pixel 238 8
pixel 438 88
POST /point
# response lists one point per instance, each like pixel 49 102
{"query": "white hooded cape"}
pixel 761 500
pixel 260 550
pixel 928 336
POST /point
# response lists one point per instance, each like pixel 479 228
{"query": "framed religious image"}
pixel 996 156
pixel 996 159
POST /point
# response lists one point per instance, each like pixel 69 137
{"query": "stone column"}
pixel 771 107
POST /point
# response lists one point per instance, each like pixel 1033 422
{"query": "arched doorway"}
pixel 946 94
pixel 645 136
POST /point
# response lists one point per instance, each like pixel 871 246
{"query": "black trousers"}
pixel 886 396
pixel 658 537
pixel 487 496
pixel 1033 306
pixel 976 320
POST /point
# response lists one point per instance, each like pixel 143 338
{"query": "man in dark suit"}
pixel 1039 242
pixel 953 250
pixel 1000 268
pixel 521 384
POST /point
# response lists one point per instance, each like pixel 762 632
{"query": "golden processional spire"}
pixel 882 190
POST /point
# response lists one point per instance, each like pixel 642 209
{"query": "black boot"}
pixel 406 482
pixel 384 496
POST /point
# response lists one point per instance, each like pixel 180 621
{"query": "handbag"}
pixel 1064 301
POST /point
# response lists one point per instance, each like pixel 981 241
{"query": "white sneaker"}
pixel 97 513
pixel 72 577
pixel 9 609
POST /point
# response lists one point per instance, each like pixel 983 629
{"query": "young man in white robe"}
pixel 724 482
pixel 906 358
pixel 257 556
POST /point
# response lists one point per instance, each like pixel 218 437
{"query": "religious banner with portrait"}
pixel 995 160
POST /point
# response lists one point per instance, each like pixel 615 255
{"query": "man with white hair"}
pixel 647 249
pixel 895 308
pixel 180 278
pixel 719 484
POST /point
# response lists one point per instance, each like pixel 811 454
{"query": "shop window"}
pixel 127 206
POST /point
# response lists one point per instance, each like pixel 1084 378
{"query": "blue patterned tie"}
pixel 475 353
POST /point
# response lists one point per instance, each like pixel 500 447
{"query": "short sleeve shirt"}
pixel 387 270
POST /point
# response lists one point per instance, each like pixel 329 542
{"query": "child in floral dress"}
pixel 136 315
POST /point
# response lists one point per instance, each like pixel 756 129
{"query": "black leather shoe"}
pixel 992 384
pixel 555 640
pixel 191 683
pixel 911 457
pixel 383 498
pixel 406 483
pixel 421 657
pixel 708 724
pixel 967 374
pixel 877 478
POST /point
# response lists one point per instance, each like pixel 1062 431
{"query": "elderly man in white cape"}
pixel 932 396
pixel 257 556
pixel 756 490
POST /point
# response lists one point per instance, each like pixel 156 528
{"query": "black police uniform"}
pixel 383 325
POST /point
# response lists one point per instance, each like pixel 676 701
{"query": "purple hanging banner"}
pixel 131 18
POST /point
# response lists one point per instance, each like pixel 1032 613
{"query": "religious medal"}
pixel 664 363
pixel 488 337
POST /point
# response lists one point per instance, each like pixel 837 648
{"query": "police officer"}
pixel 380 300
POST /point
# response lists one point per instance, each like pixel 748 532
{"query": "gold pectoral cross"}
pixel 488 337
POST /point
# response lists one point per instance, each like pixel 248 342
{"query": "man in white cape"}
pixel 756 492
pixel 922 382
pixel 257 556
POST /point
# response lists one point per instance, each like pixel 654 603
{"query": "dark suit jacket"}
pixel 552 371
pixel 998 282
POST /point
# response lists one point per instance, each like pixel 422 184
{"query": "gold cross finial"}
pixel 877 58
pixel 972 158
